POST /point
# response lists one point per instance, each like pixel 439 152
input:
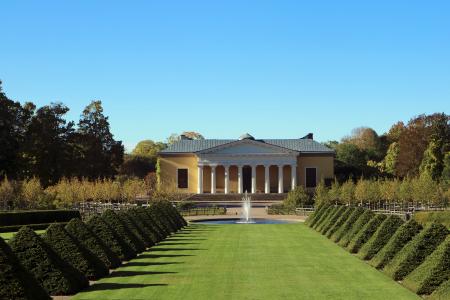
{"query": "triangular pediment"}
pixel 247 147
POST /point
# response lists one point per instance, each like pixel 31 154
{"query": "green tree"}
pixel 446 170
pixel 347 192
pixel 296 198
pixel 148 148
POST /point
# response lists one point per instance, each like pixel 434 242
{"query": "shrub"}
pixel 343 230
pixel 332 220
pixel 135 229
pixel 90 241
pixel 324 215
pixel 326 218
pixel 55 275
pixel 365 233
pixel 123 231
pixel 426 217
pixel 140 217
pixel 432 272
pixel 401 237
pixel 159 221
pixel 163 215
pixel 365 217
pixel 384 232
pixel 312 219
pixel 74 253
pixel 341 220
pixel 37 217
pixel 110 238
pixel 414 253
pixel 442 292
pixel 15 281
pixel 296 197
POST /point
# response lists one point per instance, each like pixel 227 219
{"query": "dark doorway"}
pixel 247 179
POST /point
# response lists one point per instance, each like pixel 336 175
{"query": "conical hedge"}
pixel 140 217
pixel 74 253
pixel 365 233
pixel 432 272
pixel 330 209
pixel 159 215
pixel 442 292
pixel 339 222
pixel 380 237
pixel 110 238
pixel 331 215
pixel 415 252
pixel 401 237
pixel 332 220
pixel 123 231
pixel 348 224
pixel 90 241
pixel 137 230
pixel 15 281
pixel 160 225
pixel 314 217
pixel 56 276
pixel 357 226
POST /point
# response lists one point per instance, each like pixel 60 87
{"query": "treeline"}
pixel 40 142
pixel 421 145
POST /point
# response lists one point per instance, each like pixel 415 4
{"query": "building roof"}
pixel 300 145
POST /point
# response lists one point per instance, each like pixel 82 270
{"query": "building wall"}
pixel 324 165
pixel 169 165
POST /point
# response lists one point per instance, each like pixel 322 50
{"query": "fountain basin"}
pixel 240 221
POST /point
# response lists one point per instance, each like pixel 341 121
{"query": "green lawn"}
pixel 8 235
pixel 289 261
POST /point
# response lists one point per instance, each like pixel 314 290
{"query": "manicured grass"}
pixel 282 261
pixel 8 235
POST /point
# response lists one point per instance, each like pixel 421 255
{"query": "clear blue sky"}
pixel 275 69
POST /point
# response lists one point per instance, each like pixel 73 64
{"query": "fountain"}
pixel 246 209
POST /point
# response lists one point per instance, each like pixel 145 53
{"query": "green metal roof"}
pixel 300 145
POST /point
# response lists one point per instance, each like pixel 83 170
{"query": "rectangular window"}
pixel 311 177
pixel 182 178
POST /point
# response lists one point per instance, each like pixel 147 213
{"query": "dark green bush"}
pixel 442 292
pixel 90 241
pixel 51 271
pixel 332 220
pixel 365 218
pixel 15 281
pixel 327 219
pixel 312 219
pixel 341 220
pixel 110 238
pixel 432 272
pixel 135 229
pixel 384 232
pixel 158 221
pixel 174 213
pixel 401 237
pixel 415 252
pixel 346 227
pixel 123 231
pixel 37 217
pixel 164 215
pixel 365 233
pixel 71 251
pixel 330 209
pixel 140 217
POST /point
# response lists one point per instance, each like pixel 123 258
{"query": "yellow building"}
pixel 247 164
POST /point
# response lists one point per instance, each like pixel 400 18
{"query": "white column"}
pixel 227 179
pixel 293 176
pixel 267 179
pixel 240 183
pixel 280 179
pixel 200 180
pixel 213 179
pixel 253 179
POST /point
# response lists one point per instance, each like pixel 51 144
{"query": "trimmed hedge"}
pixel 426 217
pixel 344 216
pixel 365 218
pixel 74 253
pixel 159 215
pixel 12 218
pixel 415 252
pixel 365 233
pixel 55 275
pixel 345 228
pixel 384 232
pixel 330 216
pixel 332 220
pixel 135 229
pixel 157 221
pixel 442 292
pixel 15 281
pixel 110 238
pixel 90 241
pixel 324 215
pixel 314 217
pixel 123 231
pixel 140 217
pixel 432 272
pixel 401 237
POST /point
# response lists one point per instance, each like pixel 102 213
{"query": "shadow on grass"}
pixel 119 286
pixel 185 239
pixel 173 249
pixel 136 273
pixel 161 255
pixel 180 243
pixel 144 264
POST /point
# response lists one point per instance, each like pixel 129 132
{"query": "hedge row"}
pixel 384 232
pixel 404 250
pixel 17 218
pixel 312 219
pixel 64 258
pixel 415 252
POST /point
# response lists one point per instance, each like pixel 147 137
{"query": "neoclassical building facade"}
pixel 245 165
